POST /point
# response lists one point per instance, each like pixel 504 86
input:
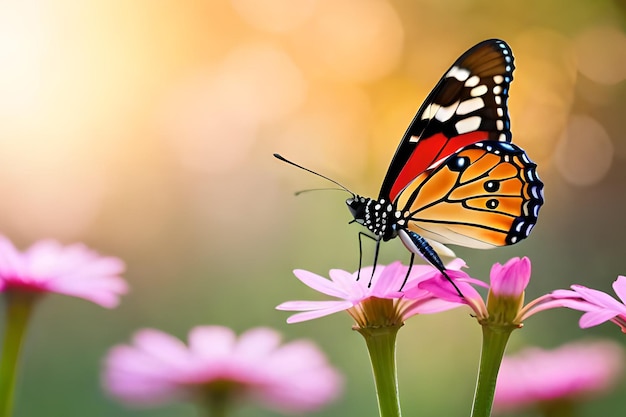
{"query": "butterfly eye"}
pixel 492 204
pixel 492 187
pixel 458 163
pixel 357 209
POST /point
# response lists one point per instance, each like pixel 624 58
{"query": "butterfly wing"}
pixel 487 194
pixel 468 105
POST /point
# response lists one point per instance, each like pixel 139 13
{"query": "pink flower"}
pixel 381 303
pixel 506 293
pixel 158 368
pixel 535 376
pixel 510 279
pixel 49 267
pixel 598 306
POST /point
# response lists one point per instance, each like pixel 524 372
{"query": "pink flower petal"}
pixel 596 297
pixel 10 259
pixel 431 306
pixel 548 302
pixel 73 270
pixel 619 286
pixel 257 343
pixel 160 346
pixel 299 378
pixel 320 284
pixel 103 291
pixel 443 289
pixel 310 315
pixel 313 305
pixel 211 342
pixel 510 279
pixel 593 318
pixel 388 280
pixel 347 282
pixel 456 264
pixel 599 306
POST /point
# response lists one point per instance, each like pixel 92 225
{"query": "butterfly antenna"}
pixel 282 158
pixel 308 190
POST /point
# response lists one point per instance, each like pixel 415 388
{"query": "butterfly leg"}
pixel 408 272
pixel 361 234
pixel 417 244
pixel 376 251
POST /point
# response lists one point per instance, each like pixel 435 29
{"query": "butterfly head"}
pixel 357 206
pixel 378 216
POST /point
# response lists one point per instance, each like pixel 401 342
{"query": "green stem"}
pixel 213 409
pixel 19 306
pixel 215 399
pixel 494 343
pixel 381 344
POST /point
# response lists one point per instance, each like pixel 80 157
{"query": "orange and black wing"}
pixel 468 105
pixel 487 194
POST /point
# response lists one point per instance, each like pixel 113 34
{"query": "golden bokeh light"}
pixel 351 40
pixel 275 15
pixel 585 152
pixel 53 191
pixel 601 53
pixel 22 55
pixel 542 91
pixel 330 132
pixel 212 118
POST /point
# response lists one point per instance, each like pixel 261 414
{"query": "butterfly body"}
pixel 386 222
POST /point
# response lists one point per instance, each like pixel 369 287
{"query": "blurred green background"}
pixel 145 129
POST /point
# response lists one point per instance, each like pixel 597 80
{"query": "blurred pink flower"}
pixel 49 267
pixel 355 296
pixel 158 368
pixel 535 376
pixel 598 306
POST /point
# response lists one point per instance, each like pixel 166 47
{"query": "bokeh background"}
pixel 145 129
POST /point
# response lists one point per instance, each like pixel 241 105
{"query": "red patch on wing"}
pixel 431 150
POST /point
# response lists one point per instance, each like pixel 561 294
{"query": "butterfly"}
pixel 456 178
